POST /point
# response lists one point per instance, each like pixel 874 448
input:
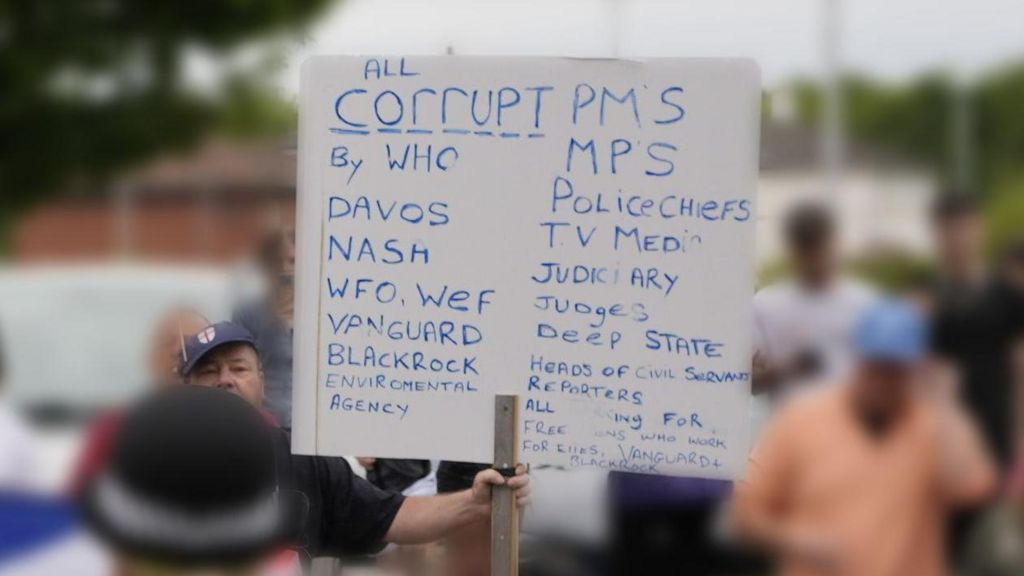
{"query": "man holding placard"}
pixel 348 515
pixel 575 233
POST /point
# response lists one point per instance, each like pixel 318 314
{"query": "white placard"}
pixel 577 232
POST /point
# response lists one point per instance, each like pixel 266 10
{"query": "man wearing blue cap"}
pixel 348 515
pixel 224 355
pixel 858 479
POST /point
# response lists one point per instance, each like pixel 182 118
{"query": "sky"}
pixel 893 39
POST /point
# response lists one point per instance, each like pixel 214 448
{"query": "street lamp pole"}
pixel 833 137
pixel 962 132
pixel 614 27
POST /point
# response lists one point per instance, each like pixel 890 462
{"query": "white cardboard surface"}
pixel 582 237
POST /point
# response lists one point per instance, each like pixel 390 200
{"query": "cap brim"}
pixel 288 533
pixel 892 356
pixel 191 362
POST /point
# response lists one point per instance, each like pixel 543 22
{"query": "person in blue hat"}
pixel 859 478
pixel 224 355
pixel 348 516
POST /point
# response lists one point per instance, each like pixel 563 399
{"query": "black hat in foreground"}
pixel 192 480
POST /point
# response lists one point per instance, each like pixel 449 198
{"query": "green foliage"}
pixel 1005 214
pixel 999 103
pixel 810 103
pixel 255 111
pixel 915 120
pixel 92 86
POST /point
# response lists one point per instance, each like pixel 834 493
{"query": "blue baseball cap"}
pixel 892 331
pixel 210 338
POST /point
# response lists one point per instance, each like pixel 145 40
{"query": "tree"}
pixel 1004 214
pixel 915 119
pixel 92 86
pixel 911 120
pixel 999 118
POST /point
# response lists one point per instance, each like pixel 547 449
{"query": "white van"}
pixel 75 339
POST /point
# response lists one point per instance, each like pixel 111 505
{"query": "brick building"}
pixel 210 205
pixel 213 204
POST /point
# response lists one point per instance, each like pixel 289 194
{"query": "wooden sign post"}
pixel 504 515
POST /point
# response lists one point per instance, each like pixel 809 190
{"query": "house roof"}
pixel 219 165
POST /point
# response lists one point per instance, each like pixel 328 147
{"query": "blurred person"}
pixel 978 323
pixel 348 515
pixel 467 551
pixel 270 320
pixel 394 474
pixel 803 326
pixel 918 291
pixel 410 478
pixel 193 488
pixel 17 459
pixel 1012 279
pixel 566 532
pixel 991 541
pixel 166 352
pixel 662 521
pixel 996 544
pixel 463 552
pixel 167 346
pixel 802 335
pixel 858 479
pixel 1012 268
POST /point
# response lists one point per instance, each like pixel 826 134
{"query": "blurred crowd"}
pixel 886 432
pixel 886 425
pixel 145 400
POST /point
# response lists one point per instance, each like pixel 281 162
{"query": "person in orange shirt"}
pixel 858 479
